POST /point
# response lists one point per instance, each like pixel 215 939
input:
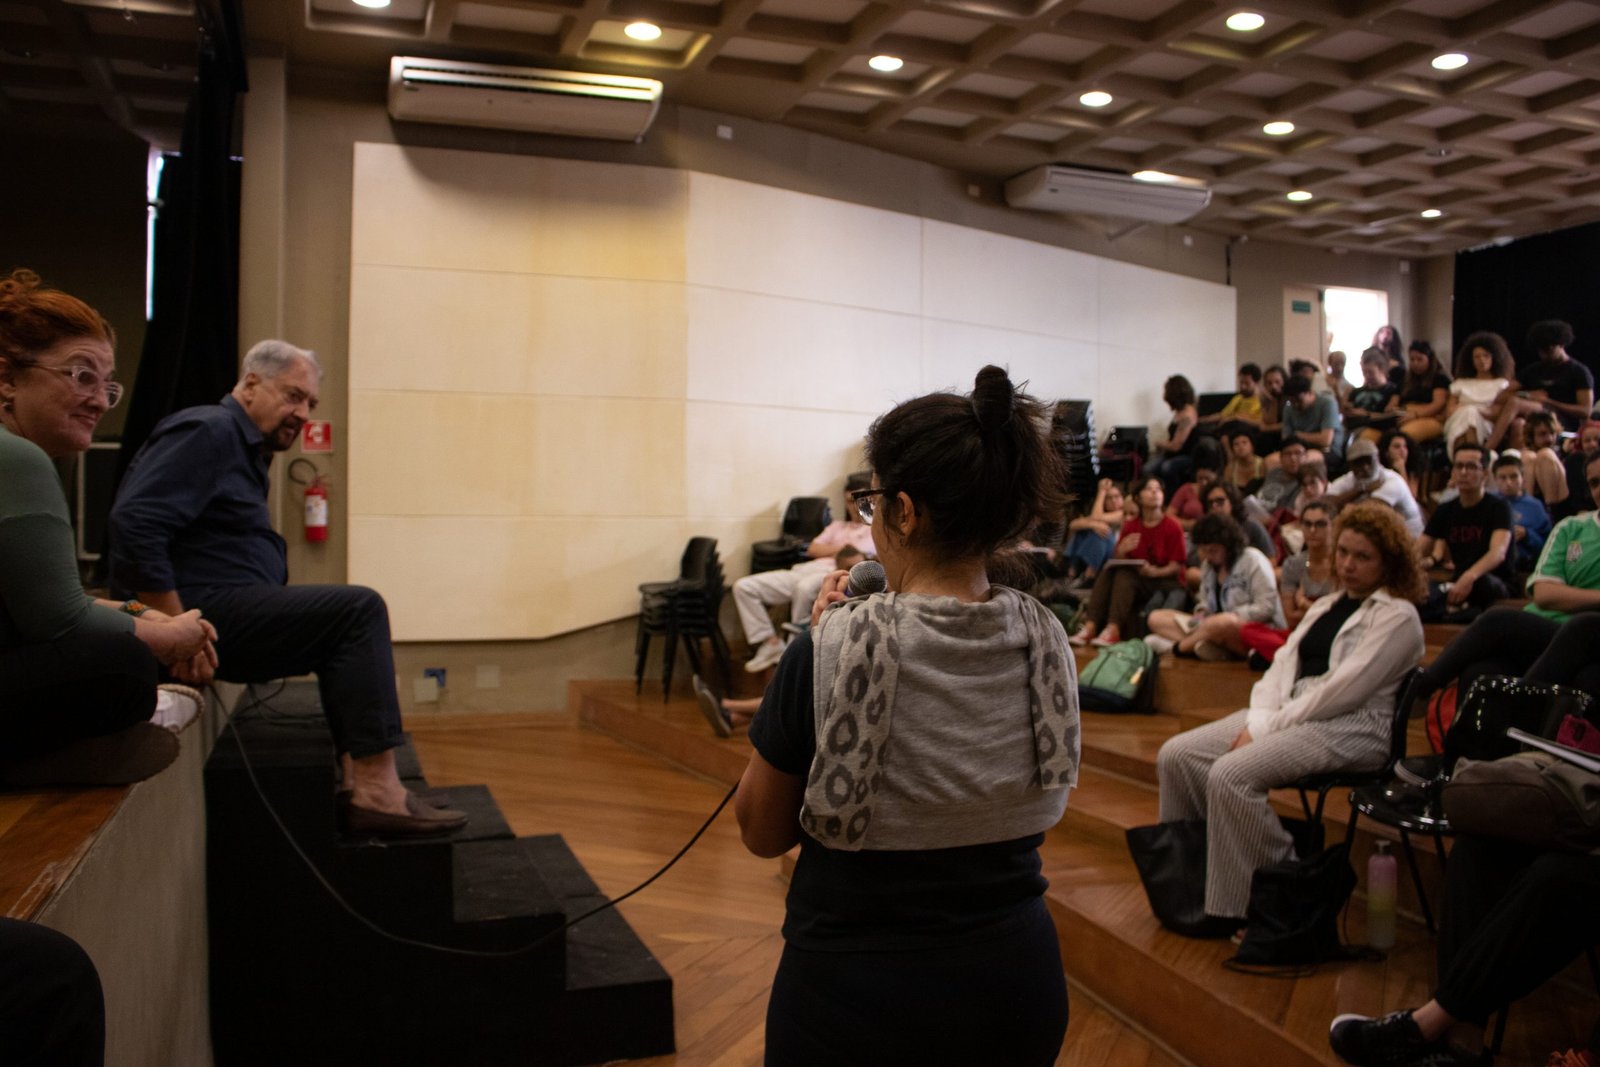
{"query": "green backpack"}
pixel 1121 678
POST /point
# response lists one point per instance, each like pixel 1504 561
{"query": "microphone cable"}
pixel 261 704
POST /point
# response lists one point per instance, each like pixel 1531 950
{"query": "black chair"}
pixel 803 519
pixel 687 607
pixel 1324 783
pixel 1493 704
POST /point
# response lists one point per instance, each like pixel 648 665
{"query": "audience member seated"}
pixel 1530 522
pixel 1483 370
pixel 191 527
pixel 52 1010
pixel 1243 407
pixel 1092 538
pixel 1556 383
pixel 1366 409
pixel 1542 461
pixel 1387 340
pixel 1308 574
pixel 1333 373
pixel 1394 452
pixel 1245 470
pixel 1366 480
pixel 1188 503
pixel 1172 462
pixel 77 675
pixel 1311 419
pixel 797 586
pixel 1224 499
pixel 1270 439
pixel 1424 392
pixel 1312 373
pixel 1279 491
pixel 1325 704
pixel 1475 530
pixel 1514 917
pixel 1506 640
pixel 916 930
pixel 1313 484
pixel 1155 541
pixel 1579 497
pixel 1237 586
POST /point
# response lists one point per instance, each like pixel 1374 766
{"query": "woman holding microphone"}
pixel 916 745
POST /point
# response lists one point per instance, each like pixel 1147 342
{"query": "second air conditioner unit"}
pixel 1091 192
pixel 564 102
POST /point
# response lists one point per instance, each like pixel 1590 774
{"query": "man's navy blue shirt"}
pixel 191 513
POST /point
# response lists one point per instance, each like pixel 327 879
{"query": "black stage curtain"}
pixel 1551 276
pixel 190 351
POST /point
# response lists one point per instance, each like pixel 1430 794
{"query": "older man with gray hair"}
pixel 191 528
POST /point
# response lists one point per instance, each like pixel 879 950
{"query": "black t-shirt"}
pixel 1421 389
pixel 1560 381
pixel 1373 399
pixel 1466 530
pixel 1316 647
pixel 868 900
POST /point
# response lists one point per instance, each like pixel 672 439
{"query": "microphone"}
pixel 866 577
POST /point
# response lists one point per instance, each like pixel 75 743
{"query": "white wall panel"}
pixel 748 461
pixel 749 348
pixel 764 240
pixel 432 207
pixel 478 331
pixel 994 280
pixel 1177 322
pixel 1055 368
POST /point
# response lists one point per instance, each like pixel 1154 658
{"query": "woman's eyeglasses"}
pixel 87 383
pixel 864 502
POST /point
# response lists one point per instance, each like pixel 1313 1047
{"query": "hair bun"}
pixel 992 396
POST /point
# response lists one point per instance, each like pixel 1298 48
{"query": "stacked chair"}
pixel 686 607
pixel 1072 429
pixel 803 519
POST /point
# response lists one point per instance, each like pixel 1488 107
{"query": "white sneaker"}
pixel 176 707
pixel 766 656
pixel 1158 644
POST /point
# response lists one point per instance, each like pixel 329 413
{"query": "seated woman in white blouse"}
pixel 1483 370
pixel 1325 704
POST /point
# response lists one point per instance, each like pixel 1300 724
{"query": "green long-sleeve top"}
pixel 40 597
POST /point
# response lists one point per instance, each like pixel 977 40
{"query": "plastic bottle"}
pixel 1380 897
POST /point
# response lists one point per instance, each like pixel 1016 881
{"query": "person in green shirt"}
pixel 77 675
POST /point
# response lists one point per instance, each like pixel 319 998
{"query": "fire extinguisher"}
pixel 316 500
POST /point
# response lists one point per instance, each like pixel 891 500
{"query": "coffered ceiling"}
pixel 1505 145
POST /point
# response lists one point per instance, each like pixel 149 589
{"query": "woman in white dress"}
pixel 1483 369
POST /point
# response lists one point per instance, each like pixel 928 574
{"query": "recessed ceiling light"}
pixel 1157 176
pixel 1298 195
pixel 639 31
pixel 371 3
pixel 1278 129
pixel 1095 98
pixel 1246 22
pixel 1432 213
pixel 887 64
pixel 1450 61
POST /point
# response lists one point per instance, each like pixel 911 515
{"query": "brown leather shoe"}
pixel 420 820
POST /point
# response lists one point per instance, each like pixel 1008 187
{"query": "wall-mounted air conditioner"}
pixel 1053 187
pixel 562 102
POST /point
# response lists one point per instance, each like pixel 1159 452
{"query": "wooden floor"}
pixel 713 920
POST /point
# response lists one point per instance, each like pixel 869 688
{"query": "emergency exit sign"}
pixel 1300 307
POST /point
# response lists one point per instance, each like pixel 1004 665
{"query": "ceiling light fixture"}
pixel 371 3
pixel 1432 213
pixel 1158 177
pixel 1278 129
pixel 1245 22
pixel 639 31
pixel 886 64
pixel 1095 98
pixel 1450 61
pixel 1298 195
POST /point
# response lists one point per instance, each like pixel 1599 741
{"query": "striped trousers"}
pixel 1201 779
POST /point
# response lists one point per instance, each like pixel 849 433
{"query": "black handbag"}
pixel 1171 859
pixel 1293 916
